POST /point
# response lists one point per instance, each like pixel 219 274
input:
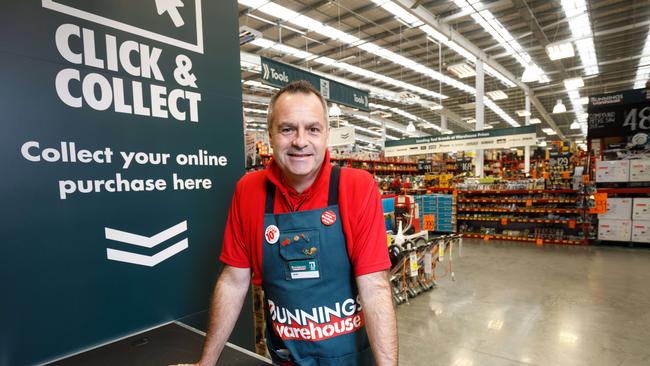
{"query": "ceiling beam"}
pixel 425 16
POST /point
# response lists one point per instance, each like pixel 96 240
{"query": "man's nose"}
pixel 300 139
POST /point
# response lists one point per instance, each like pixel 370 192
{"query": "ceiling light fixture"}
pixel 575 125
pixel 574 83
pixel 522 113
pixel 462 70
pixel 531 74
pixel 534 121
pixel 497 95
pixel 560 50
pixel 559 107
pixel 549 131
pixel 335 110
pixel 411 127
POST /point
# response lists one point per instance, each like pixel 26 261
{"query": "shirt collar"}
pixel 274 174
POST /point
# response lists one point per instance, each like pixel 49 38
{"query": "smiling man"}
pixel 312 235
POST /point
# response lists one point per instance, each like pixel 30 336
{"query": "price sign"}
pixel 572 224
pixel 429 222
pixel 601 202
pixel 529 202
pixel 504 221
pixel 413 258
pixel 428 263
pixel 565 174
pixel 539 242
pixel 546 175
pixel 486 237
pixel 585 178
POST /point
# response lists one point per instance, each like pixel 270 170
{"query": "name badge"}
pixel 304 269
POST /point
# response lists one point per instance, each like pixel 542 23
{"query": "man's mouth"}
pixel 299 155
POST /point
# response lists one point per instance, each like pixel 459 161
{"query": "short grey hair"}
pixel 295 87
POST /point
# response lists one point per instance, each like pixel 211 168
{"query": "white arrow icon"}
pixel 146 242
pixel 170 6
pixel 266 71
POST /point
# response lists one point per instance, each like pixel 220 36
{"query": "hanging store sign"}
pixel 280 74
pixel 341 136
pixel 623 113
pixel 488 139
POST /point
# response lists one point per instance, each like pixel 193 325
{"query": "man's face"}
pixel 298 136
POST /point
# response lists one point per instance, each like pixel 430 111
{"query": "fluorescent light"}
pixel 471 121
pixel 559 107
pixel 503 37
pixel 584 100
pixel 497 95
pixel 549 131
pixel 575 125
pixel 573 83
pixel 488 127
pixel 435 107
pixel 534 121
pixel 462 70
pixel 522 113
pixel 643 72
pixel 560 50
pixel 328 31
pixel 580 25
pixel 542 144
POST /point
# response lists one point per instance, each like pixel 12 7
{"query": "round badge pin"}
pixel 272 234
pixel 328 218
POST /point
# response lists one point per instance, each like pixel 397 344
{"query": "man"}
pixel 318 251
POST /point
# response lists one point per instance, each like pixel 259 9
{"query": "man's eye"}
pixel 314 130
pixel 285 130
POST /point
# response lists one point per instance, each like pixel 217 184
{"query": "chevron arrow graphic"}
pixel 146 242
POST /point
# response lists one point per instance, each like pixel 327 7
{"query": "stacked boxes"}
pixel 613 171
pixel 616 223
pixel 641 220
pixel 442 207
pixel 639 170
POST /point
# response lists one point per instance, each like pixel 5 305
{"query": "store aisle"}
pixel 517 304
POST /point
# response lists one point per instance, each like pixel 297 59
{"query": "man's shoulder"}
pixel 360 178
pixel 252 181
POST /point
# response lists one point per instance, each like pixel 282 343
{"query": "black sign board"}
pixel 619 114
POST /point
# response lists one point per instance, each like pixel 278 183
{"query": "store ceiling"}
pixel 618 29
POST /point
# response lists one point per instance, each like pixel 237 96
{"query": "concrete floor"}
pixel 518 304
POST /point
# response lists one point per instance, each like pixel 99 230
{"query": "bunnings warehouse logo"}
pixel 146 242
pixel 270 72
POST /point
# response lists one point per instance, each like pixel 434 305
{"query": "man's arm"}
pixel 379 314
pixel 227 301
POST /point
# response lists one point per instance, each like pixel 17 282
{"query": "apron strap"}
pixel 270 197
pixel 332 194
pixel 333 190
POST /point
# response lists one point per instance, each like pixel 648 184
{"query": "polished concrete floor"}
pixel 518 304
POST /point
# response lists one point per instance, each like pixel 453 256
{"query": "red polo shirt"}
pixel 359 205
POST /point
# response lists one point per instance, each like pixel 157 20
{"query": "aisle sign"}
pixel 341 136
pixel 120 145
pixel 502 138
pixel 280 74
pixel 622 113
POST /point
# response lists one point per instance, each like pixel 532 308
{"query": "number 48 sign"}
pixel 638 119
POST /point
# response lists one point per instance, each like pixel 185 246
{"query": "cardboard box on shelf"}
pixel 615 230
pixel 641 231
pixel 613 171
pixel 618 208
pixel 640 170
pixel 641 208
